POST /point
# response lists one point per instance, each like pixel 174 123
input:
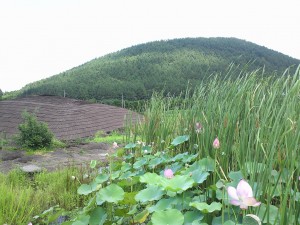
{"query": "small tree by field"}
pixel 33 133
pixel 1 94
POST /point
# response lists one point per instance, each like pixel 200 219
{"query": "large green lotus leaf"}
pixel 129 182
pixel 229 222
pixel 112 193
pixel 127 174
pixel 200 177
pixel 270 215
pixel 146 149
pixel 85 189
pixel 130 145
pixel 128 156
pixel 235 175
pixel 125 167
pixel 141 217
pixel 98 216
pixel 192 217
pixel 151 178
pixel 167 217
pixel 222 196
pixel 139 163
pixel 166 158
pixel 178 183
pixel 162 205
pixel 251 220
pixel 189 158
pixel 176 166
pixel 171 193
pixel 133 210
pixel 297 197
pixel 151 193
pixel 205 164
pixel 99 200
pixel 82 220
pixel 180 139
pixel 128 198
pixel 206 208
pixel 155 162
pixel 179 157
pixel 115 174
pixel 228 218
pixel 101 178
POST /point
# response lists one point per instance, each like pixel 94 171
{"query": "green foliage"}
pixel 11 95
pixel 33 133
pixel 134 73
pixel 26 197
pixel 3 140
pixel 114 136
pixel 206 208
pixel 190 197
pixel 112 193
pixel 168 216
pixel 254 118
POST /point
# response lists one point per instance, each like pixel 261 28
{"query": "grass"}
pixel 100 136
pixel 26 197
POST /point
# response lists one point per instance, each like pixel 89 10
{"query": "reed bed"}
pixel 256 119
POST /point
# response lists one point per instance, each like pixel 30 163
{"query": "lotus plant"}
pixel 242 195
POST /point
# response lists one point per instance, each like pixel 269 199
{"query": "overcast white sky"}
pixel 41 38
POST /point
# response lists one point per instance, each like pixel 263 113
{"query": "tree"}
pixel 1 94
pixel 33 133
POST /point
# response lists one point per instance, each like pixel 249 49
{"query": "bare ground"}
pixel 75 155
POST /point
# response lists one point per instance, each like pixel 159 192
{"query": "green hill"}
pixel 136 72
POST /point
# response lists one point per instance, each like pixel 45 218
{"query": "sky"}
pixel 41 38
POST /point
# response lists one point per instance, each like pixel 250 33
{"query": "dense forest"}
pixel 134 73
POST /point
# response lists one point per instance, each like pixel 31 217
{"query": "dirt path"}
pixel 75 155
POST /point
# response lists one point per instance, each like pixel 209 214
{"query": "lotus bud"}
pixel 216 143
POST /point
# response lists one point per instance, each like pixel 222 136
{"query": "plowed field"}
pixel 68 119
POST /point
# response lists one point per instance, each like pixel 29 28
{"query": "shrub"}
pixel 33 133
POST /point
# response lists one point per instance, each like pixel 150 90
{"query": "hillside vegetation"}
pixel 136 72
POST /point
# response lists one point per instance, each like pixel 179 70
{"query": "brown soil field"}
pixel 78 155
pixel 68 119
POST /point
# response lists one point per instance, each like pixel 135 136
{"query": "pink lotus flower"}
pixel 216 143
pixel 168 173
pixel 242 196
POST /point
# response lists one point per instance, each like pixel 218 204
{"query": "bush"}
pixel 33 133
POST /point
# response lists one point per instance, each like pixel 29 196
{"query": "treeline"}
pixel 134 73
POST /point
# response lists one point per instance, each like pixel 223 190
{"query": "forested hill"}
pixel 161 65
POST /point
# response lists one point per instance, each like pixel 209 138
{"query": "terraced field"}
pixel 68 119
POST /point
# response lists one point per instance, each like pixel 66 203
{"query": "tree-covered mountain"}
pixel 136 72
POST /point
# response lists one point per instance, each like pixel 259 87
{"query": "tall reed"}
pixel 255 117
